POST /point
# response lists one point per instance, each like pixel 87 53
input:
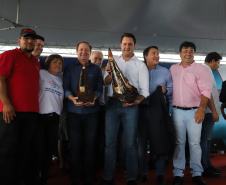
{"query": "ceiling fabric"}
pixel 163 23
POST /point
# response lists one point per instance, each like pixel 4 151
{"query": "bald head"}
pixel 97 58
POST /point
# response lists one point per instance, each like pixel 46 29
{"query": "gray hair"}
pixel 97 51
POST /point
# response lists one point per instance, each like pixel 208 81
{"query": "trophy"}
pixel 84 90
pixel 122 90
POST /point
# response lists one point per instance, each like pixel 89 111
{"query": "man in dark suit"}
pixel 223 99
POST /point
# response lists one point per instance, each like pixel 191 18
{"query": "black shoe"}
pixel 123 168
pixel 217 170
pixel 132 182
pixel 141 178
pixel 178 180
pixel 43 183
pixel 88 183
pixel 198 180
pixel 209 172
pixel 106 182
pixel 96 179
pixel 161 180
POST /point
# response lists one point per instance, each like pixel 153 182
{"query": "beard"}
pixel 28 50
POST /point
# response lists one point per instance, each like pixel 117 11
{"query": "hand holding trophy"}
pixel 84 92
pixel 122 90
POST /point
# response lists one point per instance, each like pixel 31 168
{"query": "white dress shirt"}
pixel 215 93
pixel 136 72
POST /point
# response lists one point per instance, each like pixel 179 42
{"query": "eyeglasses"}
pixel 29 38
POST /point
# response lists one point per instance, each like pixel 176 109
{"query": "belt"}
pixel 50 114
pixel 185 108
pixel 144 105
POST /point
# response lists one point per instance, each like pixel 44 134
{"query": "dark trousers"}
pixel 143 138
pixel 15 144
pixel 206 137
pixel 45 145
pixel 82 129
pixel 100 140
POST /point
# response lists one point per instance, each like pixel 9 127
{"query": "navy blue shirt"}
pixel 70 84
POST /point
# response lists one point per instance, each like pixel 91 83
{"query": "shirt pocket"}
pixel 92 79
pixel 190 79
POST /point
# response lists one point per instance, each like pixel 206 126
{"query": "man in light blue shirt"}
pixel 158 76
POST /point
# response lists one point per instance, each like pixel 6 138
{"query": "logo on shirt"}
pixel 54 85
pixel 54 88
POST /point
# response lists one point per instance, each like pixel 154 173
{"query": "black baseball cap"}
pixel 27 31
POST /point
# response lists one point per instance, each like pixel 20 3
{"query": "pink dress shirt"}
pixel 189 84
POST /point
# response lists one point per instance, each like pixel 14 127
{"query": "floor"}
pixel 58 177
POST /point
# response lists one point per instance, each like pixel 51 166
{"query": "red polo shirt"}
pixel 22 80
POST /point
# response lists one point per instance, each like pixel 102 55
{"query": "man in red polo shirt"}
pixel 19 79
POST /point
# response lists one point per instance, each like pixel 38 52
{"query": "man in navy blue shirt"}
pixel 82 118
pixel 158 76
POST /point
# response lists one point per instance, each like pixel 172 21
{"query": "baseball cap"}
pixel 28 31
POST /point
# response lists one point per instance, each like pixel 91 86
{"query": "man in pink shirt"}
pixel 191 92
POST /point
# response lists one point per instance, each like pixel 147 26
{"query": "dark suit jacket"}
pixel 42 64
pixel 162 133
pixel 223 92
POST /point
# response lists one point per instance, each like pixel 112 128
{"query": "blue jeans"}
pixel 82 129
pixel 206 136
pixel 184 122
pixel 121 147
pixel 143 137
pixel 116 113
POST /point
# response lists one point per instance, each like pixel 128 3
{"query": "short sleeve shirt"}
pixel 22 80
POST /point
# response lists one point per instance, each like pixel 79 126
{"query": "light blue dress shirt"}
pixel 159 75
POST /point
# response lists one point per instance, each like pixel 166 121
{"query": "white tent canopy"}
pixel 163 23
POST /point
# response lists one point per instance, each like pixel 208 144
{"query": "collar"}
pixel 192 65
pixel 78 63
pixel 207 67
pixel 133 58
pixel 154 68
pixel 21 52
